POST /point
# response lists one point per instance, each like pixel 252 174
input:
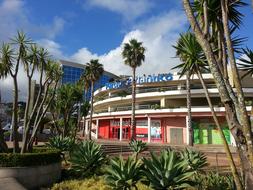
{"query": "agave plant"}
pixel 123 174
pixel 195 160
pixel 214 181
pixel 167 171
pixel 87 158
pixel 137 147
pixel 63 144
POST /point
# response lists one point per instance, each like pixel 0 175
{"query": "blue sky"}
pixel 80 30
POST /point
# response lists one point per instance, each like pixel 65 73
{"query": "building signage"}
pixel 140 80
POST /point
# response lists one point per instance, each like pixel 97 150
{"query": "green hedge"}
pixel 39 156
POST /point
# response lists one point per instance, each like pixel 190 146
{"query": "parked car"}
pixel 45 131
pixel 7 127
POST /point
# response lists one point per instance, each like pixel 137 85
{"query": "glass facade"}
pixel 72 74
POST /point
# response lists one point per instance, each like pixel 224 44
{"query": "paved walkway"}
pixel 10 184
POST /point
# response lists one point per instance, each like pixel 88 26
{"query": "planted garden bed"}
pixel 42 167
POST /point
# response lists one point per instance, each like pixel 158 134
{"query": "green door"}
pixel 216 139
pixel 227 134
pixel 215 136
pixel 203 135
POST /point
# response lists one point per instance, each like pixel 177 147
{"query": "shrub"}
pixel 137 147
pixel 167 171
pixel 86 158
pixel 63 144
pixel 94 183
pixel 39 156
pixel 214 181
pixel 196 160
pixel 123 174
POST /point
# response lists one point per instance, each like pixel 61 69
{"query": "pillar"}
pixel 232 140
pixel 187 130
pixel 149 129
pixel 120 128
pixel 97 128
pixel 162 103
pixel 86 127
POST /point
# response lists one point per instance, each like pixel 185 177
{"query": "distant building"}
pixel 72 72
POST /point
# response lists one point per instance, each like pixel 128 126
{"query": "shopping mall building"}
pixel 161 111
pixel 73 71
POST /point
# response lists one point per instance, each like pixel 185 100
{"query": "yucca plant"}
pixel 63 144
pixel 137 147
pixel 87 158
pixel 214 181
pixel 123 175
pixel 195 160
pixel 167 171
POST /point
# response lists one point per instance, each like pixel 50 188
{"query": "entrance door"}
pixel 203 135
pixel 176 135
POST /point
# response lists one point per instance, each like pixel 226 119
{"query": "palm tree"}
pixel 194 62
pixel 133 55
pixel 10 63
pixel 8 67
pixel 93 71
pixel 235 110
pixel 53 74
pixel 31 62
pixel 181 51
pixel 22 42
pixel 3 145
pixel 246 64
pixel 86 106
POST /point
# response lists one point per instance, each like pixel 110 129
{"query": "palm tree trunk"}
pixel 15 116
pixel 84 117
pixel 188 89
pixel 243 115
pixel 91 109
pixel 231 115
pixel 83 131
pixel 224 141
pixel 133 122
pixel 26 127
pixel 3 145
pixel 79 117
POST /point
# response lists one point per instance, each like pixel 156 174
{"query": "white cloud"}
pixel 158 34
pixel 53 48
pixel 129 9
pixel 83 55
pixel 14 16
pixel 49 30
pixel 6 86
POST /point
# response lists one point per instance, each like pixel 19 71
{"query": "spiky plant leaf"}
pixel 86 158
pixel 61 143
pixel 123 174
pixel 167 171
pixel 137 147
pixel 195 160
pixel 246 64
